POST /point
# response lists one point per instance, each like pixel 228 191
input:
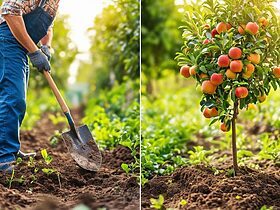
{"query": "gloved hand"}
pixel 46 50
pixel 40 61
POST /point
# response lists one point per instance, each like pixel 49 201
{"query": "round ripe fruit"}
pixel 221 27
pixel 203 75
pixel 276 72
pixel 254 58
pixel 235 53
pixel 208 87
pixel 236 66
pixel 262 98
pixel 193 70
pixel 185 71
pixel 228 26
pixel 263 21
pixel 206 113
pixel 223 127
pixel 214 32
pixel 252 28
pixel 253 107
pixel 250 68
pixel 214 112
pixel 230 74
pixel 216 79
pixel 206 41
pixel 223 61
pixel 241 92
pixel 241 29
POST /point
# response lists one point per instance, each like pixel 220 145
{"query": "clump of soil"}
pixel 203 190
pixel 109 188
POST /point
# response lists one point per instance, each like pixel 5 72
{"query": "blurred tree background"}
pixel 160 39
pixel 115 46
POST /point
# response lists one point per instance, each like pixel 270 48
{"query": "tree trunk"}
pixel 234 150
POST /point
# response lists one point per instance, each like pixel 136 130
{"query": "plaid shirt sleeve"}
pixel 11 7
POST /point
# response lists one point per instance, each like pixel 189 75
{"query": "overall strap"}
pixel 42 3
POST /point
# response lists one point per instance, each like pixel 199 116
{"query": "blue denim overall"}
pixel 14 74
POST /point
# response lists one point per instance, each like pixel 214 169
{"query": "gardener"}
pixel 23 24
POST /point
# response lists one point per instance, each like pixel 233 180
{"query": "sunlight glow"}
pixel 81 17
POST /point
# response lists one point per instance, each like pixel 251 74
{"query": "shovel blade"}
pixel 83 149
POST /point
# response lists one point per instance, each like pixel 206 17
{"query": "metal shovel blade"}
pixel 83 149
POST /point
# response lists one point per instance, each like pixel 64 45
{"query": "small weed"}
pixel 216 171
pixel 230 173
pixel 31 162
pixel 56 118
pixel 54 140
pixel 183 202
pixel 126 168
pixel 238 197
pixel 19 160
pixel 48 159
pixel 266 208
pixel 11 179
pixel 157 203
pixel 198 156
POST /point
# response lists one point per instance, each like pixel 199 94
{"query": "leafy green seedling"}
pixel 31 162
pixel 20 180
pixel 238 197
pixel 50 171
pixel 266 208
pixel 56 119
pixel 126 168
pixel 157 203
pixel 11 179
pixel 198 156
pixel 48 159
pixel 19 160
pixel 183 202
pixel 230 172
pixel 55 138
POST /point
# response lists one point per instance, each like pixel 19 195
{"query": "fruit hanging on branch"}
pixel 235 58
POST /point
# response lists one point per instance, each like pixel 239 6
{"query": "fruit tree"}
pixel 232 50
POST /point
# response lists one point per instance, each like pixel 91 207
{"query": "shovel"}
pixel 79 141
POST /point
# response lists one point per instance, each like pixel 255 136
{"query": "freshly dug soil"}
pixel 202 189
pixel 69 185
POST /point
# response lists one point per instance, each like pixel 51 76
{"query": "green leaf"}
pixel 125 168
pixel 44 153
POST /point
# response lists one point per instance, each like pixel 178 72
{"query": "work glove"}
pixel 47 51
pixel 40 61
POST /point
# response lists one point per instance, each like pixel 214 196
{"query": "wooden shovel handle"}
pixel 56 92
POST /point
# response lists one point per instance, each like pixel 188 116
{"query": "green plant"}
pixel 199 156
pixel 183 202
pixel 114 119
pixel 266 208
pixel 48 159
pixel 270 149
pixel 157 203
pixel 11 179
pixel 235 66
pixel 31 162
pixel 55 138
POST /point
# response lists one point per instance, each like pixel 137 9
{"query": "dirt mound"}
pixel 203 190
pixel 69 185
